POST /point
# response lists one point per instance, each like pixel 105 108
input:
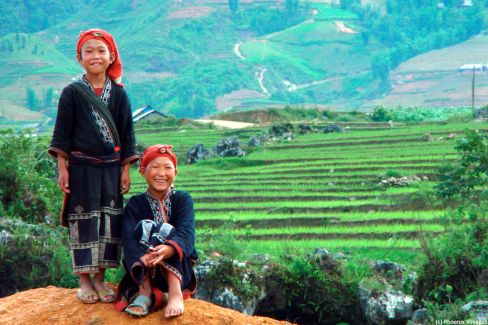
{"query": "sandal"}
pixel 141 301
pixel 107 295
pixel 85 295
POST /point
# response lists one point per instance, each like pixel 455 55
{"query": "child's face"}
pixel 95 57
pixel 159 174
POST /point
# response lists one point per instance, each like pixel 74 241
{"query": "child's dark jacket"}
pixel 180 214
pixel 76 130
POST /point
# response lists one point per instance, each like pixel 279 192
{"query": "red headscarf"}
pixel 114 71
pixel 158 150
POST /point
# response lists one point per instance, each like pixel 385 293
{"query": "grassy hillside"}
pixel 319 190
pixel 433 78
pixel 28 61
pixel 296 72
pixel 192 58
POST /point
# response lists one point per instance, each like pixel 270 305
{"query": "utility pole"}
pixel 472 87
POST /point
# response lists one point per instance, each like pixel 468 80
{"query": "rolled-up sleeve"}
pixel 184 222
pixel 132 252
pixel 63 128
pixel 126 130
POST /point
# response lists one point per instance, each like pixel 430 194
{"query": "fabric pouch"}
pixel 149 234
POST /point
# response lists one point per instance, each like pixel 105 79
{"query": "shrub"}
pixel 27 177
pixel 244 281
pixel 328 114
pixel 381 114
pixel 313 293
pixel 33 256
pixel 452 272
pixel 469 172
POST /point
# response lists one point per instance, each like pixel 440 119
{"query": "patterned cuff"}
pixel 53 151
pixel 177 247
pixel 130 160
pixel 137 272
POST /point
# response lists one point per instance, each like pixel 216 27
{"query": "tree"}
pixel 48 98
pixel 365 37
pixel 291 7
pixel 380 65
pixel 471 169
pixel 32 101
pixel 381 114
pixel 233 6
pixel 346 4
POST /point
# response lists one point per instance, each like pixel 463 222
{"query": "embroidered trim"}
pixel 105 97
pixel 112 211
pixel 93 244
pixel 108 264
pixel 161 210
pixel 109 240
pixel 85 269
pixel 81 216
pixel 177 247
pixel 94 214
pixel 172 270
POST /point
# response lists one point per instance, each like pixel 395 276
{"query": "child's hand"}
pixel 160 253
pixel 125 179
pixel 63 178
pixel 63 181
pixel 146 260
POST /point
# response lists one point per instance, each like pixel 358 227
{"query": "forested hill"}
pixel 192 58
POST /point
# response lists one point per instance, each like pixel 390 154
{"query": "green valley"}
pixel 194 58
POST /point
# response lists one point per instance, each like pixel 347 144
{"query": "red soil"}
pixel 54 305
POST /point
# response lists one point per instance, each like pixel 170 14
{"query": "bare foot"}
pixel 175 306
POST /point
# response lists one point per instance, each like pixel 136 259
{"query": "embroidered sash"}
pixel 103 117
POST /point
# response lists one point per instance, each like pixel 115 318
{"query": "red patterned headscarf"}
pixel 158 150
pixel 114 71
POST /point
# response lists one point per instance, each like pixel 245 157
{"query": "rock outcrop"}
pixel 54 305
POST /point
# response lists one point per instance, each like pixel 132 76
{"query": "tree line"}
pixel 412 27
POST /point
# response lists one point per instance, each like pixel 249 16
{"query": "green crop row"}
pixel 373 216
pixel 329 229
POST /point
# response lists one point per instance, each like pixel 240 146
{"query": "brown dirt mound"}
pixel 53 305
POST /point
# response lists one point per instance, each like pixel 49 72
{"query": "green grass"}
pixel 265 52
pixel 344 217
pixel 328 13
pixel 330 229
pixel 326 183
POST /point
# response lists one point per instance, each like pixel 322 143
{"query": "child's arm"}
pixel 161 253
pixel 183 219
pixel 126 131
pixel 133 255
pixel 63 179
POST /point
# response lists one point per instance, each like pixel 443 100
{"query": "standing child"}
pixel 158 237
pixel 93 141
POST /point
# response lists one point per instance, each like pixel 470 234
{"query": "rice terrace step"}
pixel 319 181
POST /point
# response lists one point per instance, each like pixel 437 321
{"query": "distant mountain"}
pixel 194 58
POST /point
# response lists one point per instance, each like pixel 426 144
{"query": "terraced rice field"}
pixel 319 190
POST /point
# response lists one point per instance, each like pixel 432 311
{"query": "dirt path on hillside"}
pixel 343 29
pixel 290 86
pixel 228 124
pixel 260 76
pixel 262 70
pixel 237 50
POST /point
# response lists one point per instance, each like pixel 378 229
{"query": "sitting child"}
pixel 158 237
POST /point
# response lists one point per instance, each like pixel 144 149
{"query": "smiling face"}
pixel 160 174
pixel 95 57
